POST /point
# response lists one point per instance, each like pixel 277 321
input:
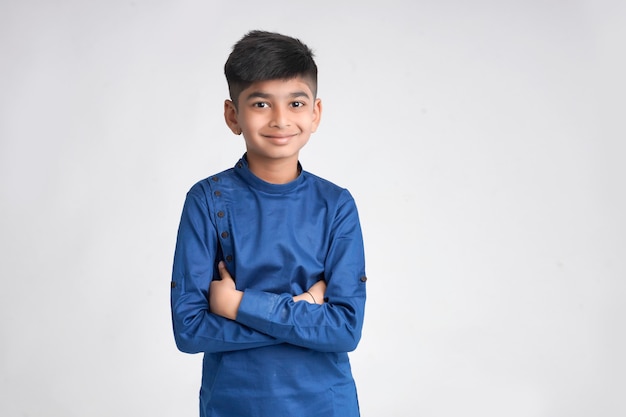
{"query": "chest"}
pixel 279 242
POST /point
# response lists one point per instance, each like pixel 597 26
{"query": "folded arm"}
pixel 196 328
pixel 333 326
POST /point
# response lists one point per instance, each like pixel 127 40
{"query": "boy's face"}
pixel 276 118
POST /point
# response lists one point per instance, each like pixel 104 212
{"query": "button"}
pixel 363 279
pixel 216 179
pixel 224 235
pixel 229 258
pixel 220 214
pixel 217 193
pixel 173 284
pixel 239 165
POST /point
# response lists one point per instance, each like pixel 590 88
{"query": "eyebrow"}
pixel 259 94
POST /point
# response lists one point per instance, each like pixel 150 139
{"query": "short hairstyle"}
pixel 263 56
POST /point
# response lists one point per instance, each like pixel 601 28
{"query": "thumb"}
pixel 221 266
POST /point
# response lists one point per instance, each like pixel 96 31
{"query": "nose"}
pixel 280 117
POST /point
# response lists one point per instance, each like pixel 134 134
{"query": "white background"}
pixel 484 143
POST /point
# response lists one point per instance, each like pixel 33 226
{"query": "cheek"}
pixel 314 122
pixel 251 121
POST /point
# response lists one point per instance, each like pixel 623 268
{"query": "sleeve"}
pixel 196 329
pixel 334 326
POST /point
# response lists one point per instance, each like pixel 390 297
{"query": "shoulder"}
pixel 327 189
pixel 205 185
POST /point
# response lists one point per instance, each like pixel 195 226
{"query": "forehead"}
pixel 279 88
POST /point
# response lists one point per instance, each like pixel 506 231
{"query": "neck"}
pixel 273 171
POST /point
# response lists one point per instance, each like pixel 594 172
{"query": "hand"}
pixel 224 298
pixel 317 290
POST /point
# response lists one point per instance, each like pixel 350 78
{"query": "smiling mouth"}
pixel 280 138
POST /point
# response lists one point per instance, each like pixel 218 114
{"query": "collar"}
pixel 243 171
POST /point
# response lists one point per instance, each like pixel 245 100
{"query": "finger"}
pixel 224 274
pixel 222 268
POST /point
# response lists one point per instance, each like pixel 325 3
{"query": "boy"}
pixel 269 272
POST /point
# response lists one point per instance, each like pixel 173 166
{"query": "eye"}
pixel 260 104
pixel 297 104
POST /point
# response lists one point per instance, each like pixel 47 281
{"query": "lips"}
pixel 280 138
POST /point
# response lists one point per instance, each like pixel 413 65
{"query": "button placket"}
pixel 222 222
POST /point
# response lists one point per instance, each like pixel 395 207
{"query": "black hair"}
pixel 263 56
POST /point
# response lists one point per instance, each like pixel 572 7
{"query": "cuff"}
pixel 256 309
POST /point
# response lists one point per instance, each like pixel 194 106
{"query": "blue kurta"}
pixel 279 357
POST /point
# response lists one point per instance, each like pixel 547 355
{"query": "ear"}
pixel 230 116
pixel 317 114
